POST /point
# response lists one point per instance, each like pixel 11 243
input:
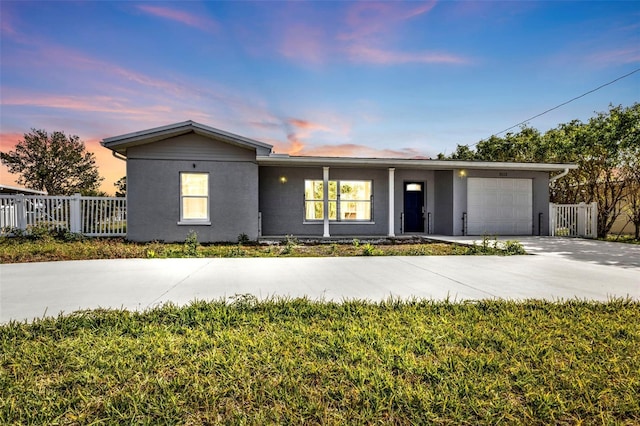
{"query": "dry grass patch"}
pixel 18 250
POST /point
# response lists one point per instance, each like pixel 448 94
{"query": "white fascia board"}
pixel 143 134
pixel 407 163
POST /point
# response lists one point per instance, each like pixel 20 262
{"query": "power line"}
pixel 561 105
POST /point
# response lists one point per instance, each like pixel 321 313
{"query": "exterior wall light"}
pixel 283 179
pixel 462 173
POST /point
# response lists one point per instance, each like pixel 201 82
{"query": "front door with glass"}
pixel 414 207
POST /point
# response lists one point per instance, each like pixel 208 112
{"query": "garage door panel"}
pixel 501 206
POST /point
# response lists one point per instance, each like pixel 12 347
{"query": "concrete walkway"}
pixel 46 289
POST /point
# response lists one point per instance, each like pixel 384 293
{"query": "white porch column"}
pixel 325 201
pixel 391 201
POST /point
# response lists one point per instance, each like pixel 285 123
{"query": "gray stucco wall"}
pixel 540 187
pixel 153 191
pixel 459 200
pixel 443 209
pixel 282 204
pixel 451 198
pixel 192 146
pixel 424 176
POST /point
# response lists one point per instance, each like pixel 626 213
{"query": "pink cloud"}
pixel 629 55
pixel 77 103
pixel 367 30
pixel 307 125
pixel 356 150
pixel 49 55
pixel 9 25
pixel 360 53
pixel 10 139
pixel 367 18
pixel 302 131
pixel 6 26
pixel 120 91
pixel 293 146
pixel 368 21
pixel 304 43
pixel 298 132
pixel 199 22
pixel 299 148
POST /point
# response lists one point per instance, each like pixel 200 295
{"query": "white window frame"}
pixel 337 201
pixel 197 221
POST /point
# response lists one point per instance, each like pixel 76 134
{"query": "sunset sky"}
pixel 393 79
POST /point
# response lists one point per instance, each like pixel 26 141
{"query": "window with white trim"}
pixel 194 197
pixel 349 200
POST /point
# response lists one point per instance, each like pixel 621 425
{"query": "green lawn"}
pixel 54 248
pixel 304 362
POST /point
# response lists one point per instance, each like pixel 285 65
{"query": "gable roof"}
pixel 266 157
pixel 120 143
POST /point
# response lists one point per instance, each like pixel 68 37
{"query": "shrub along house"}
pixel 188 176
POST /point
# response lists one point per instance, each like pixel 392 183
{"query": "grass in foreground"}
pixel 303 362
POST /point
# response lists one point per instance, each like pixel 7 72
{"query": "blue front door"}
pixel 414 207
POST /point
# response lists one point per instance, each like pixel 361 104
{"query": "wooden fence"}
pixel 91 216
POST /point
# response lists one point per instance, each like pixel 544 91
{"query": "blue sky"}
pixel 400 79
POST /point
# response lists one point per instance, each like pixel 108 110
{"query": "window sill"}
pixel 195 223
pixel 335 222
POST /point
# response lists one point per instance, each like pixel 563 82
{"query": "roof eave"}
pixel 407 163
pixel 21 190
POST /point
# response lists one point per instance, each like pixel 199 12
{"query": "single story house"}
pixel 12 190
pixel 188 176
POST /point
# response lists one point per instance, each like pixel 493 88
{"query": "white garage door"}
pixel 499 206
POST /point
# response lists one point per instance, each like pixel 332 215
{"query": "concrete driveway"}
pixel 47 289
pixel 590 251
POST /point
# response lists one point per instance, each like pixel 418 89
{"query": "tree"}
pixel 121 187
pixel 631 175
pixel 601 148
pixel 605 140
pixel 631 206
pixel 524 146
pixel 53 162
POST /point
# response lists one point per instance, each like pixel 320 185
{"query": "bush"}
pixel 368 250
pixel 487 246
pixel 491 246
pixel 290 244
pixel 243 239
pixel 513 247
pixel 191 244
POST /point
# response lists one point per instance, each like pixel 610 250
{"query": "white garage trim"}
pixel 499 206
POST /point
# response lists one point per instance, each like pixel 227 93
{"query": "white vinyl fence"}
pixel 573 220
pixel 91 216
